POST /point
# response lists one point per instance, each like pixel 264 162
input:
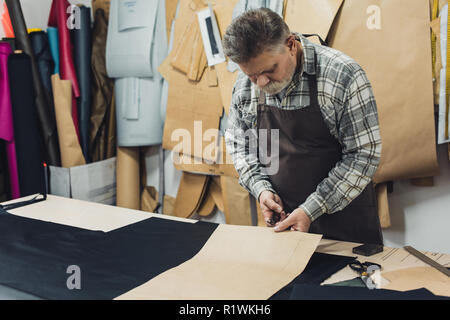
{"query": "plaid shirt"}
pixel 349 111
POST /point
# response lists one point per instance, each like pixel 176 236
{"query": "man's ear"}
pixel 291 44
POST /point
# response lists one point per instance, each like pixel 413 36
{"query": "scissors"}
pixel 276 217
pixel 365 271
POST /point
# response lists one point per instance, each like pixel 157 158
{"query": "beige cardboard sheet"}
pixel 383 205
pixel 190 194
pixel 171 9
pixel 190 104
pixel 391 41
pixel 223 167
pixel 416 278
pixel 237 263
pixel 311 16
pixel 83 214
pixel 208 205
pixel 236 202
pixel 224 12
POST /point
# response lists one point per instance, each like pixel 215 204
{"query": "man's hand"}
pixel 272 208
pixel 298 220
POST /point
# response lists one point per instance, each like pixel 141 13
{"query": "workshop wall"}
pixel 420 216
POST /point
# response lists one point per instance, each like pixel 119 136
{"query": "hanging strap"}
pixel 322 42
pixel 36 199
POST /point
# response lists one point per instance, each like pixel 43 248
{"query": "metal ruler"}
pixel 428 260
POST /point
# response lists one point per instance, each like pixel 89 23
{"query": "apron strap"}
pixel 313 92
pixel 261 98
pixel 322 42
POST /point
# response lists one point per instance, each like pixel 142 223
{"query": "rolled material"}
pixel 11 41
pixel 101 4
pixel 59 17
pixel 128 181
pixel 52 34
pixel 4 185
pixel 82 53
pixel 45 110
pixel 41 49
pixel 26 130
pixel 71 155
pixel 103 139
pixel 6 120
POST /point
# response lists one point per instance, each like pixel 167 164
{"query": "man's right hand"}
pixel 272 208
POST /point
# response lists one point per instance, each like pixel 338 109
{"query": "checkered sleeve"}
pixel 245 160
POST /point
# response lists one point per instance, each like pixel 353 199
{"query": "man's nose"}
pixel 262 81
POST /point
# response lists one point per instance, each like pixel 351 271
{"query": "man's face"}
pixel 272 71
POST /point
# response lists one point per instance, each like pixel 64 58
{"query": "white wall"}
pixel 420 216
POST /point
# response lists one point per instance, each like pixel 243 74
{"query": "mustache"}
pixel 275 87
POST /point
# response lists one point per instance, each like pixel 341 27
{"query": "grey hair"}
pixel 254 32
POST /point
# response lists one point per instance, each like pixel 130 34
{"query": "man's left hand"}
pixel 298 220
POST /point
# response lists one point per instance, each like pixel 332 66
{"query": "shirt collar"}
pixel 309 63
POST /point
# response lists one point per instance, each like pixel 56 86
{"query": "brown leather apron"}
pixel 307 153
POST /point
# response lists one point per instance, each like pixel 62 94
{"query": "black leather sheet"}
pixel 44 106
pixel 320 267
pixel 26 126
pixel 35 255
pixel 82 42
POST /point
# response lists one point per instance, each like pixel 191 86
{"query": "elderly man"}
pixel 321 104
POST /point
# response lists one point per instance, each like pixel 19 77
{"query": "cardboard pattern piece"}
pixel 190 194
pixel 237 263
pixel 416 278
pixel 190 104
pixel 400 85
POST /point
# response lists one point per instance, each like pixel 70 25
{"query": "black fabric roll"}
pixel 45 107
pixel 81 39
pixel 5 191
pixel 103 120
pixel 35 255
pixel 44 60
pixel 11 41
pixel 26 126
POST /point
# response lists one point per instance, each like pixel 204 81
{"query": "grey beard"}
pixel 275 87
